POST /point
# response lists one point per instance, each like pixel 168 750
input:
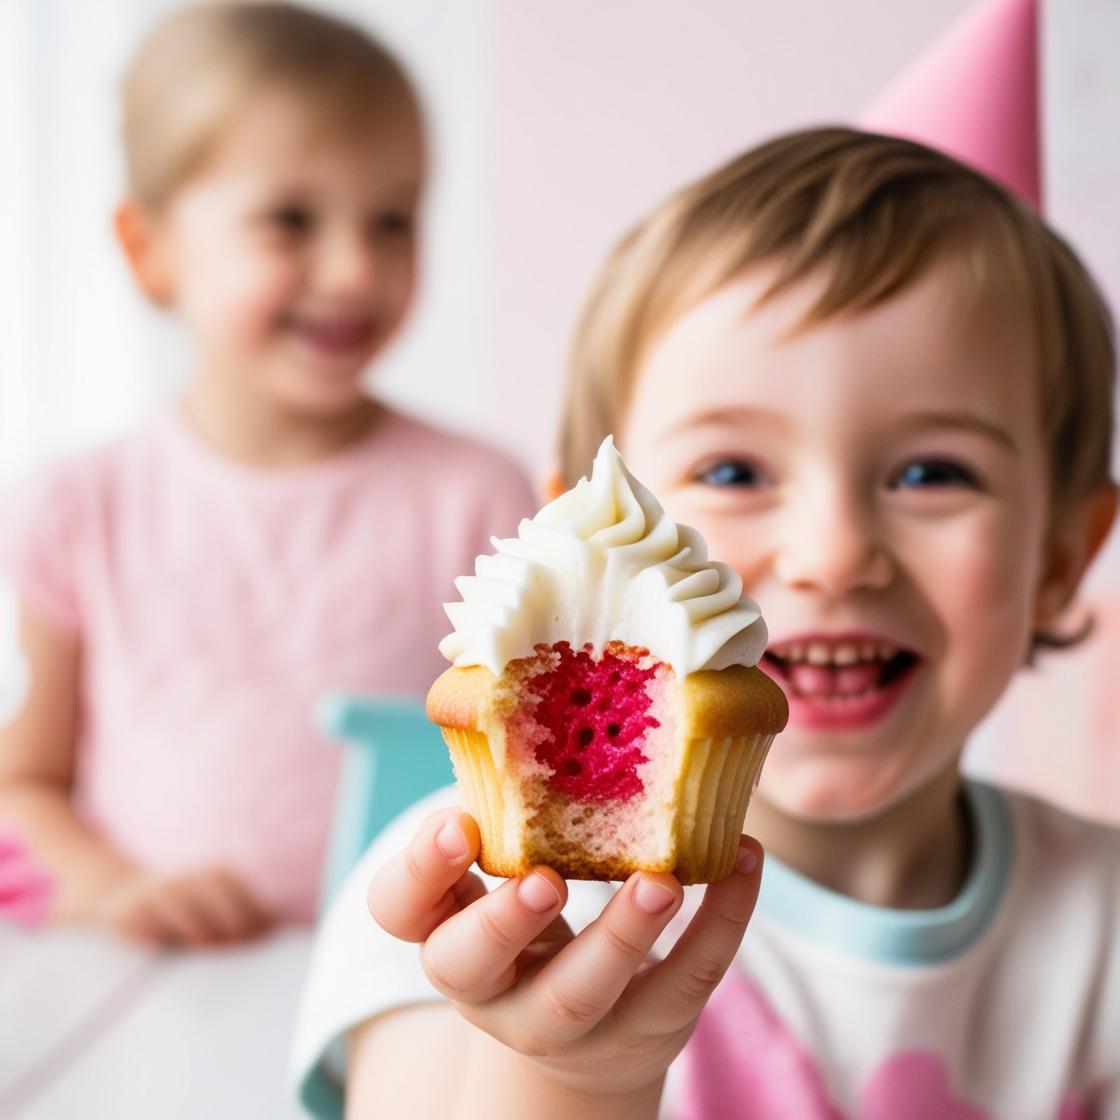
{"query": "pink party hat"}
pixel 974 94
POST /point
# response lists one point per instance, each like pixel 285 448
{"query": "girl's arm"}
pixel 93 883
pixel 36 775
pixel 539 1021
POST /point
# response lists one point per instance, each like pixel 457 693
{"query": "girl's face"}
pixel 291 256
pixel 879 480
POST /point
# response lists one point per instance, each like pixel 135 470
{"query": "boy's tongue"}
pixel 825 680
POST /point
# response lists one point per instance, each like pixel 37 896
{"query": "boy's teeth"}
pixel 841 654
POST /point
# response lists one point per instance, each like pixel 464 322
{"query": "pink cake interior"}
pixel 592 715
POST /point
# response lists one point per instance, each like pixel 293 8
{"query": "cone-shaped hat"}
pixel 974 94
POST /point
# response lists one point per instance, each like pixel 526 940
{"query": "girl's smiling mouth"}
pixel 333 337
pixel 840 681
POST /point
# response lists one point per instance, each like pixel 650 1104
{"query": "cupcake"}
pixel 603 710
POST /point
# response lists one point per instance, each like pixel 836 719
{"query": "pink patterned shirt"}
pixel 217 603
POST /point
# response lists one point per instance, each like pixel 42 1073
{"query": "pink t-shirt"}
pixel 216 605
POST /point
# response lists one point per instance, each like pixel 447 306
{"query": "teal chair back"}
pixel 394 755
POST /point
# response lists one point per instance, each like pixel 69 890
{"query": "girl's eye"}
pixel 393 223
pixel 732 472
pixel 291 219
pixel 924 473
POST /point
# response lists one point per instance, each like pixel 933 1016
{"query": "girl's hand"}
pixel 588 1009
pixel 202 908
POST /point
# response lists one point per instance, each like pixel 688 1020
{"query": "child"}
pixel 880 388
pixel 191 591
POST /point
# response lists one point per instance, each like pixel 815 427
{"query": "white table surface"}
pixel 92 1028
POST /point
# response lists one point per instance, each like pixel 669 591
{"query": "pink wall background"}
pixel 595 111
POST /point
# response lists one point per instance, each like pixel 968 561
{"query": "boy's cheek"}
pixel 740 544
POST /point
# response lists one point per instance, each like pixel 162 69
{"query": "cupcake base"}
pixel 693 833
pixel 603 763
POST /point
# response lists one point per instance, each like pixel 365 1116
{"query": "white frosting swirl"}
pixel 604 562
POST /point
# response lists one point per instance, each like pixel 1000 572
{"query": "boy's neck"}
pixel 915 855
pixel 252 433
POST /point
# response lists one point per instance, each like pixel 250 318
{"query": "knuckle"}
pixel 700 979
pixel 730 913
pixel 624 946
pixel 442 974
pixel 494 931
pixel 533 1044
pixel 570 1008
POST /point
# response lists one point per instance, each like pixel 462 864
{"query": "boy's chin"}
pixel 831 800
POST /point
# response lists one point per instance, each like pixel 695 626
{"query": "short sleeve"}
pixel 39 536
pixel 357 970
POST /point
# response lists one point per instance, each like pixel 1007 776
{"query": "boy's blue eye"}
pixel 925 473
pixel 731 472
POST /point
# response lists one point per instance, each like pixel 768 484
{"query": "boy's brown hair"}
pixel 198 66
pixel 872 212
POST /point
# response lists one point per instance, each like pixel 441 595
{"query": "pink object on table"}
pixel 25 886
pixel 975 94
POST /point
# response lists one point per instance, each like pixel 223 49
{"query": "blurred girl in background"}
pixel 189 591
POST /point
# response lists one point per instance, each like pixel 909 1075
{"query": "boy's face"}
pixel 291 255
pixel 880 482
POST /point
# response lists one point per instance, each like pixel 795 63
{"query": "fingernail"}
pixel 651 897
pixel 745 859
pixel 538 893
pixel 451 841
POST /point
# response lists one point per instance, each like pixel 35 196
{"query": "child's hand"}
pixel 584 1008
pixel 197 909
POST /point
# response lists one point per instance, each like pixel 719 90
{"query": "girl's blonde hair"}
pixel 870 213
pixel 200 64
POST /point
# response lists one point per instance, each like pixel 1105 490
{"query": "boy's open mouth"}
pixel 840 671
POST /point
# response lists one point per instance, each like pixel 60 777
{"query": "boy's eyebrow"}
pixel 726 416
pixel 969 421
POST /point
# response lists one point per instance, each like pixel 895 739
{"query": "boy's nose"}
pixel 833 548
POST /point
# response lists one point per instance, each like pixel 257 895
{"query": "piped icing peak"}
pixel 603 562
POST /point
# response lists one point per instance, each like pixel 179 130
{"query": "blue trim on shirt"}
pixel 901 937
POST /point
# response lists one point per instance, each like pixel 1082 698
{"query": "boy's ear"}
pixel 553 485
pixel 1079 538
pixel 141 237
